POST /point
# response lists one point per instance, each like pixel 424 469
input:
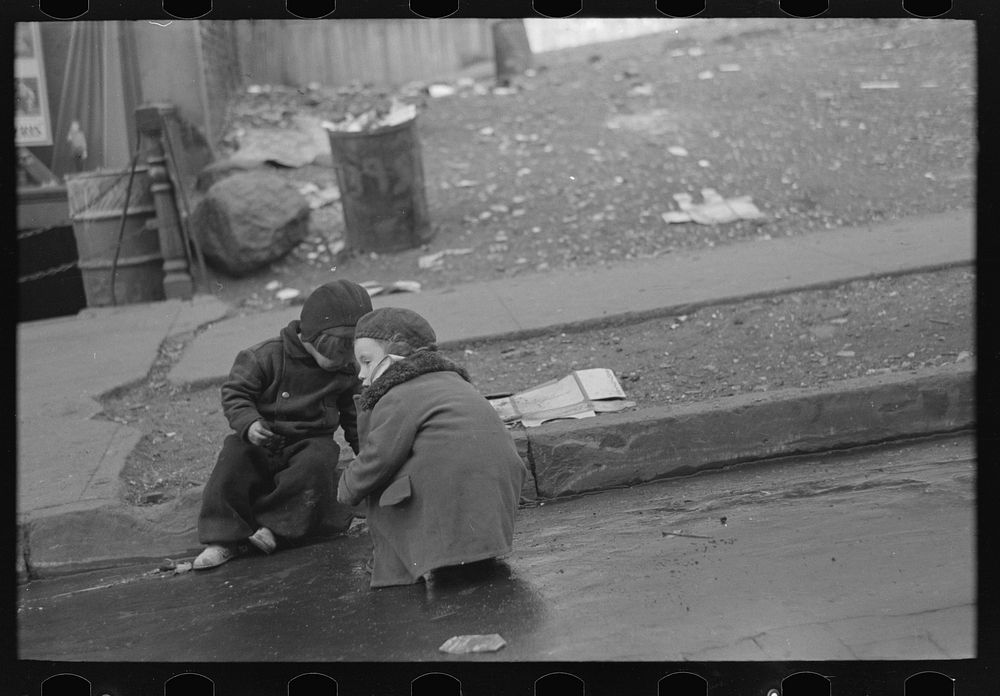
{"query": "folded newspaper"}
pixel 580 394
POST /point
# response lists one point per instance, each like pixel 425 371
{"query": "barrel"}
pixel 96 205
pixel 381 177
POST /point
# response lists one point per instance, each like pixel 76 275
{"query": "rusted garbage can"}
pixel 96 206
pixel 381 177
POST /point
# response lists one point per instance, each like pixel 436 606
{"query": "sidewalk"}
pixel 68 466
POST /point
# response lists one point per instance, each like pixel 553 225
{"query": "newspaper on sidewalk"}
pixel 580 394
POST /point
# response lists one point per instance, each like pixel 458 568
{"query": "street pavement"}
pixel 860 555
pixel 69 512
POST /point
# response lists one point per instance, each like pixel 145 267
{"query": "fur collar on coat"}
pixel 420 363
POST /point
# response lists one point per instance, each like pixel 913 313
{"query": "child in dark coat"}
pixel 439 470
pixel 275 479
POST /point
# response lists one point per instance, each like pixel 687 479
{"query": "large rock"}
pixel 249 220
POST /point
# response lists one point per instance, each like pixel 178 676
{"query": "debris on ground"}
pixel 318 197
pixel 435 259
pixel 373 119
pixel 581 394
pixel 374 288
pixel 286 294
pixel 437 91
pixel 880 85
pixel 716 210
pixel 461 645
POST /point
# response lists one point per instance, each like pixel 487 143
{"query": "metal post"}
pixel 177 281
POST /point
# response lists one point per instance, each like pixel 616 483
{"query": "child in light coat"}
pixel 439 471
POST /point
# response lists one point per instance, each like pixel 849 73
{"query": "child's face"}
pixel 369 354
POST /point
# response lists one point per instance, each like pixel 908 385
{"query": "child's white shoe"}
pixel 264 540
pixel 215 555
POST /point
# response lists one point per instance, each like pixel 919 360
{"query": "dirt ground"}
pixel 824 124
pixel 574 170
pixel 794 340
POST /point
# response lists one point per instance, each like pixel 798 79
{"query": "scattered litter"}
pixel 318 197
pixel 677 151
pixel 466 183
pixel 839 320
pixel 504 91
pixel 374 288
pixel 845 354
pixel 287 294
pixel 254 89
pixel 182 568
pixel 460 645
pixel 696 51
pixel 373 119
pixel 891 84
pixel 437 91
pixel 273 285
pixel 706 75
pixel 714 211
pixel 524 171
pixel 678 53
pixel 641 90
pixel 729 67
pixel 704 163
pixel 486 130
pixel 168 564
pixel 581 394
pixel 929 175
pixel 431 260
pixel 963 356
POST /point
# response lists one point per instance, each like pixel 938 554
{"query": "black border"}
pixel 973 677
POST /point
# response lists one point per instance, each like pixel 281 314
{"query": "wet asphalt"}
pixel 865 554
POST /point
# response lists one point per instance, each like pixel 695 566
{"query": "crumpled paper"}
pixel 716 210
pixel 461 645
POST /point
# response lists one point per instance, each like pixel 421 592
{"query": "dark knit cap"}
pixel 336 305
pixel 405 330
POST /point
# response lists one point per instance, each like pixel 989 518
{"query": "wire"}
pixel 121 230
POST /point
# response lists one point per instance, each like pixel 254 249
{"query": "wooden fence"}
pixel 387 52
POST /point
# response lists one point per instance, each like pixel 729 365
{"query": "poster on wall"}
pixel 32 125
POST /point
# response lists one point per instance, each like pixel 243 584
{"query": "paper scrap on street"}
pixel 432 260
pixel 581 394
pixel 715 210
pixel 890 84
pixel 375 288
pixel 461 645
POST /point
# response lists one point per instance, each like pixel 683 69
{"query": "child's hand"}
pixel 259 434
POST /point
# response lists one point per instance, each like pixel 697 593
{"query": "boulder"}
pixel 249 220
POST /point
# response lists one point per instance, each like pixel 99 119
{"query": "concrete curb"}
pixel 621 449
pixel 568 457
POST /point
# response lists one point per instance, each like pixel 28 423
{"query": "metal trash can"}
pixel 381 177
pixel 96 206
